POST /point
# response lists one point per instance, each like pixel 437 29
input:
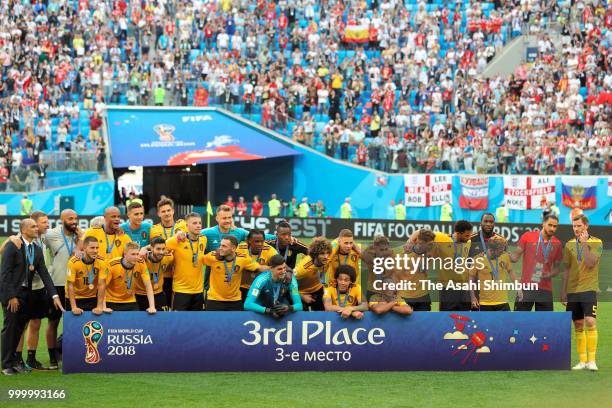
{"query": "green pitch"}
pixel 334 389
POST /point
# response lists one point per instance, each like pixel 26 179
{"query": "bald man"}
pixel 62 242
pixel 110 238
pixel 18 268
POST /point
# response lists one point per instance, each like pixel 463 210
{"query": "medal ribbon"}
pixel 230 273
pixel 545 249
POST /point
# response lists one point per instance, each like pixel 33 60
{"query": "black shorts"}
pixel 317 303
pixel 189 302
pixel 582 304
pixel 504 307
pixel 37 304
pixel 123 307
pixel 53 313
pixel 160 302
pixel 244 292
pixel 167 289
pixel 87 304
pixel 455 300
pixel 222 306
pixel 420 304
pixel 541 299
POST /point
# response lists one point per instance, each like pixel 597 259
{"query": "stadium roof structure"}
pixel 157 136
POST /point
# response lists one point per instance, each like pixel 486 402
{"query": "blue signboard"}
pixel 317 341
pixel 185 137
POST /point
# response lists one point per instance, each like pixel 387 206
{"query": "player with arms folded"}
pixel 344 295
pixel 579 290
pixel 274 292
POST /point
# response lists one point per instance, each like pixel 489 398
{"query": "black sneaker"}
pixel 36 365
pixel 53 365
pixel 21 367
pixel 9 371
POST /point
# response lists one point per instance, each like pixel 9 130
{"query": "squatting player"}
pixel 82 281
pixel 120 277
pixel 311 273
pixel 344 295
pixel 274 292
pixel 581 256
pixel 416 295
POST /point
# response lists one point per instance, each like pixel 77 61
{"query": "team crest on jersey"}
pixel 117 243
pixel 201 247
pixel 353 258
pixel 144 235
pixel 136 274
pixel 236 268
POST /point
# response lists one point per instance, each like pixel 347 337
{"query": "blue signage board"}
pixel 316 341
pixel 185 137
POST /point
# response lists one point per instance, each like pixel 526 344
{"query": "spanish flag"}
pixel 356 34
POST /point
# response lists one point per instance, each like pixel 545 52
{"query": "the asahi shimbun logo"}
pixel 92 333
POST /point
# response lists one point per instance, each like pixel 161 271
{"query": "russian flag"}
pixel 579 192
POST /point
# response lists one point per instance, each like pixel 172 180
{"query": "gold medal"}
pixel 91 286
pixel 31 268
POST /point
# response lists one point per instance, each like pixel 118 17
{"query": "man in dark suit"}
pixel 16 274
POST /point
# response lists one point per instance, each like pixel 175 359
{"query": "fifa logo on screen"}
pixel 92 333
pixel 164 131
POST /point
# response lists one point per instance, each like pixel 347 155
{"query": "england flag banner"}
pixel 528 192
pixel 424 190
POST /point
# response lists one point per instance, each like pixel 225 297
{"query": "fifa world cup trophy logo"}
pixel 164 131
pixel 92 333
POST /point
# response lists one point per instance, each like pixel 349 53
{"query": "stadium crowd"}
pixel 177 265
pixel 403 95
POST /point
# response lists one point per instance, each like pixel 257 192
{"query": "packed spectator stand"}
pixel 395 86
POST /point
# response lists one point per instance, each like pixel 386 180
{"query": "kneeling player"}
pixel 310 273
pixel 120 281
pixel 491 269
pixel 388 300
pixel 274 292
pixel 417 251
pixel 344 296
pixel 82 280
pixel 158 263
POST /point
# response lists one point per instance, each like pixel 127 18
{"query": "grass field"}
pixel 314 389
